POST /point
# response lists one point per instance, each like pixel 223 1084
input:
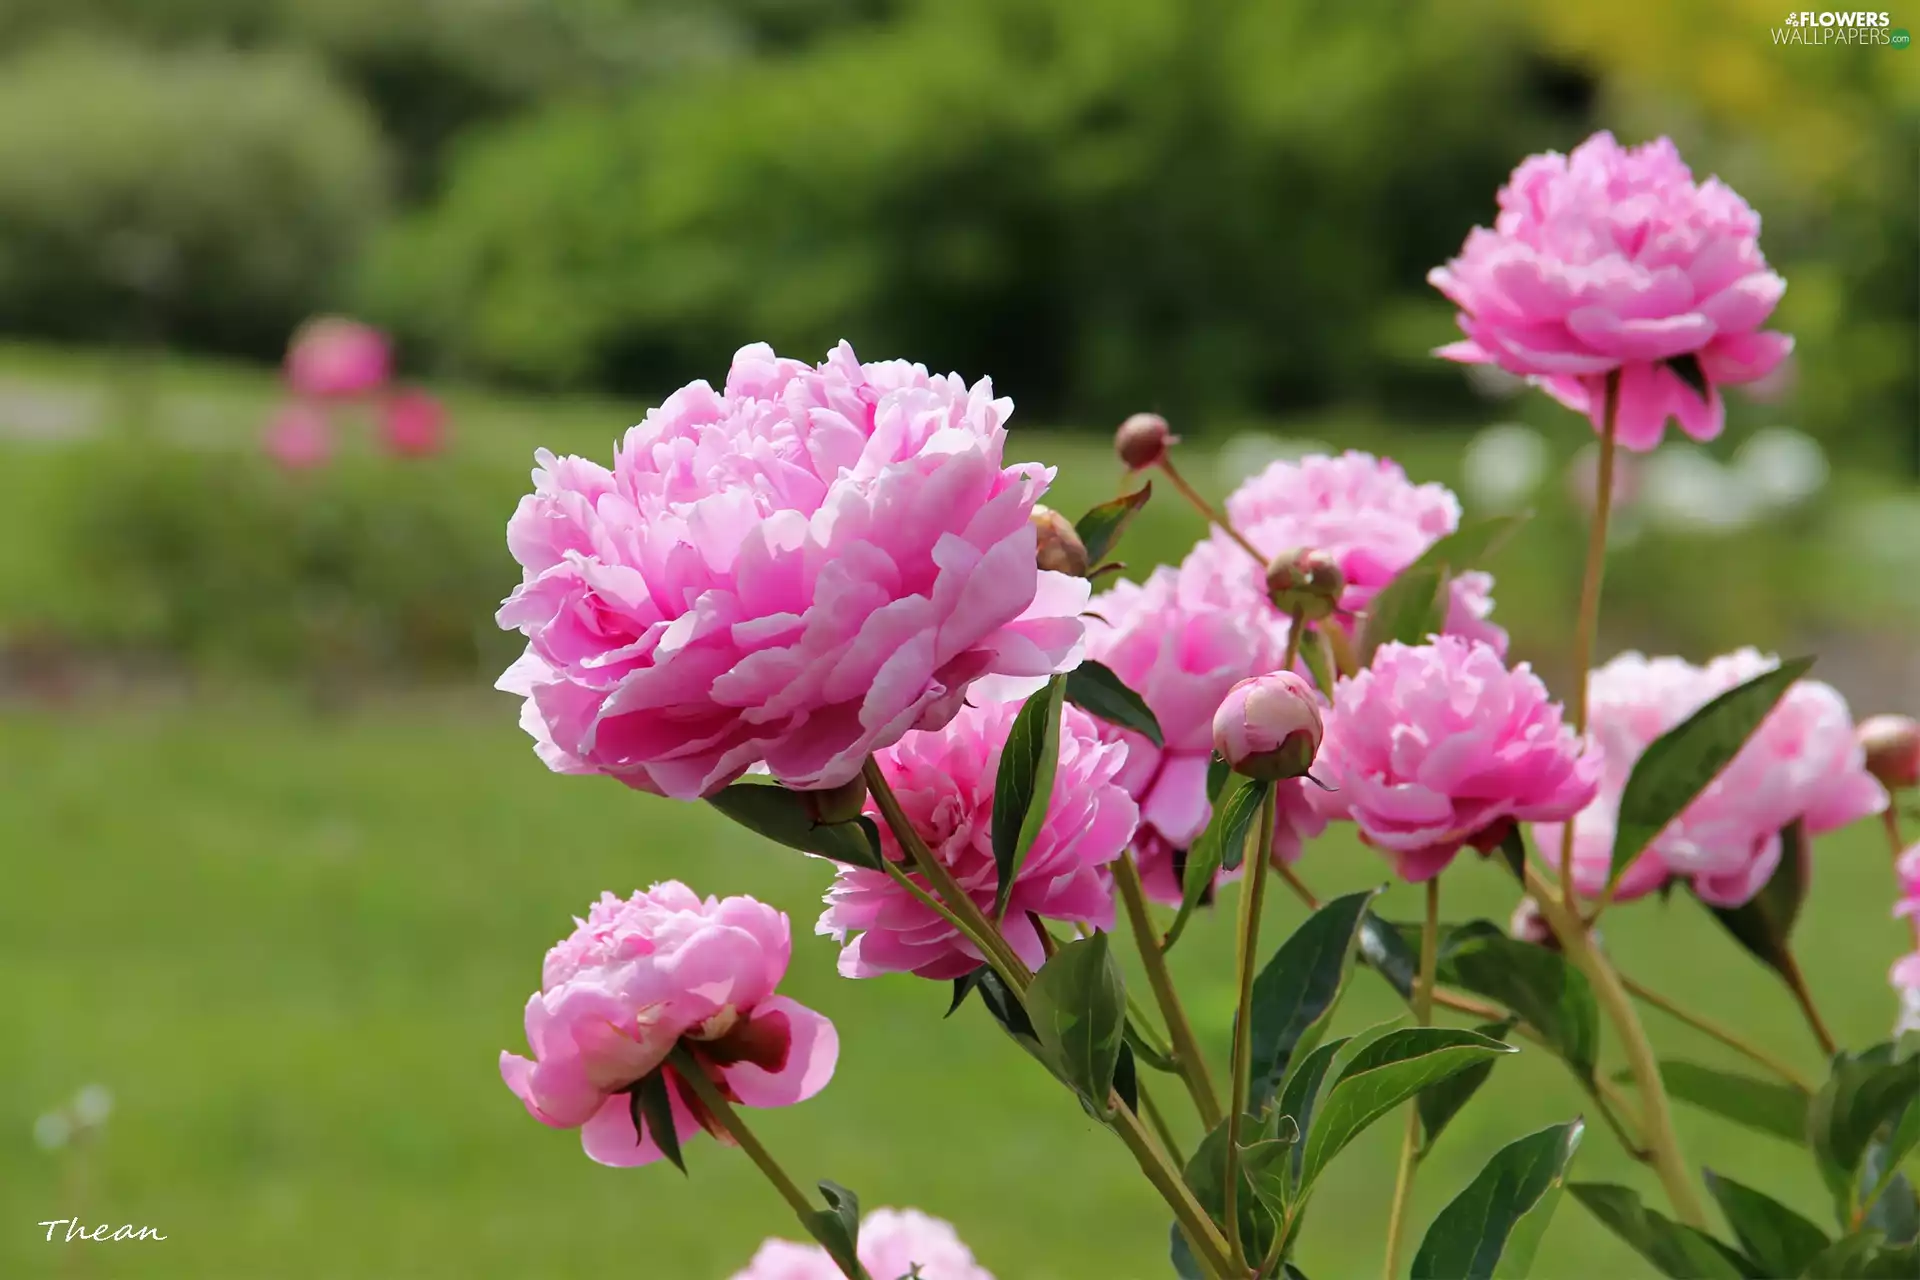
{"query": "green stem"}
pixel 1251 900
pixel 1296 630
pixel 1797 983
pixel 1410 1143
pixel 1716 1031
pixel 1205 508
pixel 1186 1048
pixel 1202 1236
pixel 1161 1129
pixel 1588 626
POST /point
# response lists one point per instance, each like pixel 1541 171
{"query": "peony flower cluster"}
pixel 892 1243
pixel 945 783
pixel 331 363
pixel 1614 259
pixel 793 570
pixel 639 976
pixel 1439 746
pixel 1803 763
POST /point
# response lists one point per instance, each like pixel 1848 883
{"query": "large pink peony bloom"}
pixel 1366 514
pixel 1614 258
pixel 945 782
pixel 1803 763
pixel 1181 640
pixel 794 570
pixel 892 1243
pixel 637 977
pixel 1439 746
pixel 335 357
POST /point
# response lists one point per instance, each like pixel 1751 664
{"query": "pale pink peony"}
pixel 298 436
pixel 1268 727
pixel 1366 514
pixel 1438 746
pixel 1905 976
pixel 333 357
pixel 795 571
pixel 413 424
pixel 1614 258
pixel 637 977
pixel 892 1243
pixel 1181 640
pixel 945 781
pixel 1803 763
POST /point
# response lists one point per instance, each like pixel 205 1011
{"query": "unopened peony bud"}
pixel 1142 440
pixel 1269 728
pixel 1892 744
pixel 843 803
pixel 1305 582
pixel 1060 547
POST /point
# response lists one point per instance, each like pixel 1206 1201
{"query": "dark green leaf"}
pixel 1225 835
pixel 1100 528
pixel 1896 1212
pixel 1865 1091
pixel 1236 823
pixel 1468 1238
pixel 837 1227
pixel 1126 1078
pixel 1774 1236
pixel 1206 1175
pixel 1513 852
pixel 1894 1262
pixel 1535 983
pixel 1438 1104
pixel 1384 949
pixel 1295 993
pixel 1682 762
pixel 1078 1005
pixel 653 1114
pixel 1764 923
pixel 1778 1109
pixel 1023 788
pixel 962 987
pixel 1301 1090
pixel 1008 1012
pixel 1471 544
pixel 783 817
pixel 1687 369
pixel 1145 1052
pixel 1408 610
pixel 1674 1248
pixel 1096 690
pixel 1851 1257
pixel 1268 1159
pixel 1218 772
pixel 1319 659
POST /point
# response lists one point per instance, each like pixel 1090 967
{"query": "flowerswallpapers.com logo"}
pixel 1827 27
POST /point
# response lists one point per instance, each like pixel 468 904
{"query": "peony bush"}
pixel 819 600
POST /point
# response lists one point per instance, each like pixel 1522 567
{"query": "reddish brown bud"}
pixel 1060 548
pixel 1306 582
pixel 1142 440
pixel 1892 744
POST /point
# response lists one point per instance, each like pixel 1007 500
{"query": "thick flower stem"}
pixel 1186 1049
pixel 1588 625
pixel 1202 1235
pixel 1410 1144
pixel 1662 1145
pixel 694 1076
pixel 1251 900
pixel 1797 983
pixel 1205 508
pixel 1717 1032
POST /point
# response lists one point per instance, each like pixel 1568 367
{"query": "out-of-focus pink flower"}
pixel 1439 746
pixel 413 424
pixel 637 977
pixel 1366 514
pixel 892 1243
pixel 1268 727
pixel 1181 640
pixel 1613 258
pixel 298 436
pixel 794 570
pixel 1802 763
pixel 945 780
pixel 333 357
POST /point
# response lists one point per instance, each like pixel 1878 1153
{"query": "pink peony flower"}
pixel 298 436
pixel 1181 640
pixel 794 570
pixel 1803 763
pixel 1905 976
pixel 1439 746
pixel 413 424
pixel 945 781
pixel 892 1243
pixel 1366 514
pixel 1615 259
pixel 1268 727
pixel 638 977
pixel 333 357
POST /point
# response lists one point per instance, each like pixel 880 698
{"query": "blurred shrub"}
pixel 200 196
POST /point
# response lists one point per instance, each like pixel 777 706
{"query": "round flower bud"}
pixel 1892 744
pixel 1142 440
pixel 1269 728
pixel 843 803
pixel 1306 582
pixel 1060 548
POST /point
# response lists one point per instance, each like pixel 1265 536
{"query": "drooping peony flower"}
pixel 1439 746
pixel 945 780
pixel 637 977
pixel 333 357
pixel 413 424
pixel 1802 763
pixel 1181 640
pixel 298 436
pixel 892 1243
pixel 1268 727
pixel 794 570
pixel 1613 258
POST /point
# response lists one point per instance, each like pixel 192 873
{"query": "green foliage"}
pixel 1865 1092
pixel 1295 993
pixel 1776 1237
pixel 1078 1007
pixel 1537 984
pixel 1094 688
pixel 1470 1238
pixel 1439 1103
pixel 1762 1105
pixel 1673 1247
pixel 1222 844
pixel 1099 530
pixel 783 816
pixel 1023 786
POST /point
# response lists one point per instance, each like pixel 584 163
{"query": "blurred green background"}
pixel 281 869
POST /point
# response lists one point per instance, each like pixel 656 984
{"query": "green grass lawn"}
pixel 294 947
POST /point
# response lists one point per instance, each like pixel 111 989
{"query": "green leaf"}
pixel 1778 1109
pixel 1126 1083
pixel 1319 659
pixel 1219 772
pixel 1009 1013
pixel 1096 690
pixel 1848 1258
pixel 1764 923
pixel 1295 993
pixel 1384 949
pixel 1206 1175
pixel 1023 788
pixel 1301 1090
pixel 1774 1236
pixel 1236 823
pixel 837 1227
pixel 1469 1237
pixel 783 817
pixel 1674 1248
pixel 1687 369
pixel 1268 1159
pixel 1682 762
pixel 963 987
pixel 1513 852
pixel 1472 543
pixel 1864 1092
pixel 1100 528
pixel 653 1114
pixel 1382 1076
pixel 1145 1053
pixel 1078 1005
pixel 1438 1104
pixel 1535 983
pixel 1226 834
pixel 1408 610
